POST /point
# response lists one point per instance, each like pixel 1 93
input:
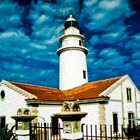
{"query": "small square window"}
pixel 129 98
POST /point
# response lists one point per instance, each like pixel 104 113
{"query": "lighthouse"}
pixel 72 56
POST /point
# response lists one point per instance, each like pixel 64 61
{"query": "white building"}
pixel 110 101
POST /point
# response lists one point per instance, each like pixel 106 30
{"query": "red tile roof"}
pixel 42 92
pixel 90 90
pixel 87 91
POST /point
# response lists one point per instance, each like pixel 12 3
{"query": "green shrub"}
pixel 7 134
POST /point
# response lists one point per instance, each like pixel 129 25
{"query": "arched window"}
pixel 2 95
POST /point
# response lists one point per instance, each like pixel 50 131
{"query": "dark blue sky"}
pixel 29 37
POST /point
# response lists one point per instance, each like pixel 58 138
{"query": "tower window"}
pixel 84 74
pixel 80 43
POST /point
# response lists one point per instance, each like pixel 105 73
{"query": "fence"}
pixel 47 131
pixel 107 132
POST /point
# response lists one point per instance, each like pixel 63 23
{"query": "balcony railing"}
pixel 83 44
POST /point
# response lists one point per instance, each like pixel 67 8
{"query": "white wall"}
pixel 118 103
pixel 129 106
pixel 138 105
pixel 11 103
pixel 71 66
pixel 114 106
pixel 46 111
pixel 92 110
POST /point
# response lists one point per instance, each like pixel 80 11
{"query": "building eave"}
pixel 43 102
pixel 18 90
pixel 80 101
pixel 94 100
pixel 116 84
pixel 133 84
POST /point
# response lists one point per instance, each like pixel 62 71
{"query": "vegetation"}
pixel 7 134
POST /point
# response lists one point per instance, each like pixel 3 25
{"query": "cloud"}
pixel 108 63
pixel 136 58
pixel 95 39
pixel 100 15
pixel 109 53
pixel 14 67
pixel 136 55
pixel 32 58
pixel 115 34
pixel 106 4
pixel 114 60
pixel 137 37
pixel 37 45
pixel 133 42
pixel 14 41
pixel 9 15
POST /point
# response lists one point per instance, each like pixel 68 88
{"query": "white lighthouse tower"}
pixel 72 56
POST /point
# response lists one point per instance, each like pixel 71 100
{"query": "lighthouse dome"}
pixel 71 22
